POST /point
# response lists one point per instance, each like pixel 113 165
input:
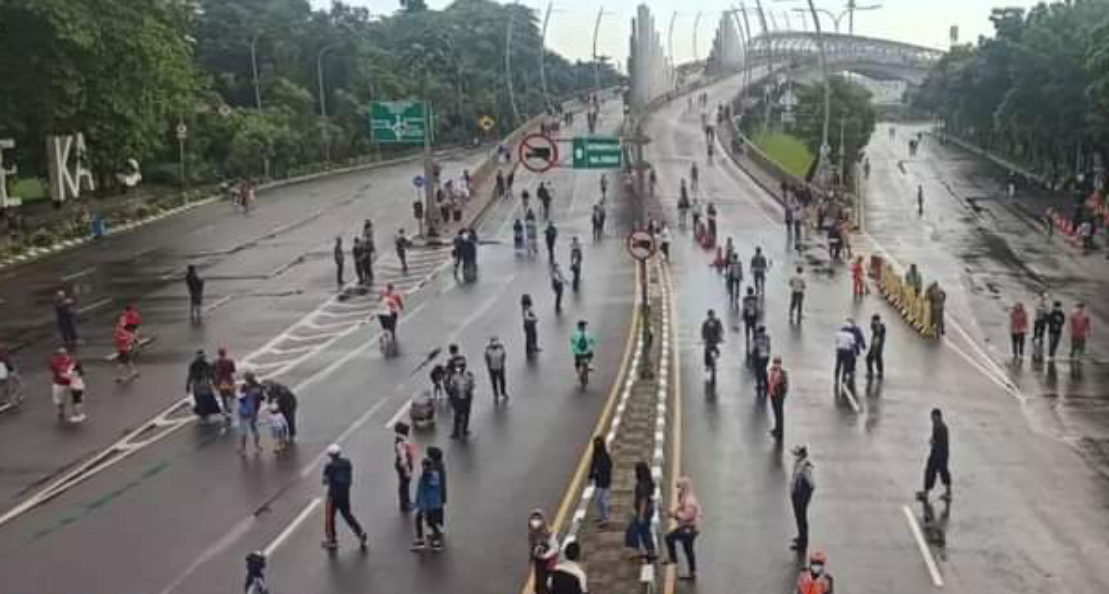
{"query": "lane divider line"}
pixel 292 527
pixel 925 551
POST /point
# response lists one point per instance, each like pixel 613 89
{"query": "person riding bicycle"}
pixel 582 345
pixel 712 333
pixel 392 304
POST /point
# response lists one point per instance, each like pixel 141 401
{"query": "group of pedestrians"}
pixel 1048 324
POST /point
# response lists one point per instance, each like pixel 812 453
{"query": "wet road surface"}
pixel 1028 513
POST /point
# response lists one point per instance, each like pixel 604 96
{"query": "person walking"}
pixel 544 196
pixel 338 476
pixel 777 387
pixel 920 201
pixel 796 295
pixel 550 234
pixel 1056 321
pixel 569 576
pixel 937 459
pixel 248 408
pixel 286 401
pixel 125 340
pixel 461 395
pixel 542 551
pixel 366 263
pixel 357 257
pixel 495 356
pixel 531 326
pixel 687 514
pixel 1080 330
pixel 858 281
pixel 734 280
pixel 814 579
pixel 195 286
pixel 759 265
pixel 404 461
pixel 750 310
pixel 1039 325
pixel 66 318
pixel 61 378
pixel 664 242
pixel 874 358
pixel 600 474
pixel 340 259
pixel 223 371
pixel 802 484
pixel 558 283
pixel 401 244
pixel 429 507
pixel 597 219
pixel 937 297
pixel 1018 328
pixel 845 355
pixel 201 384
pixel 638 534
pixel 577 258
pixel 760 359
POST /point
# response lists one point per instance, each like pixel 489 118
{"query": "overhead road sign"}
pixel 597 152
pixel 398 122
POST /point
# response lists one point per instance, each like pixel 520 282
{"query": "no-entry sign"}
pixel 641 245
pixel 538 153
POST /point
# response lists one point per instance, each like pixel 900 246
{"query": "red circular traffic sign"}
pixel 641 245
pixel 538 153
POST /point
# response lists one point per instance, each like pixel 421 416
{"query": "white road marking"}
pixel 355 426
pixel 292 527
pixel 937 578
pixel 400 415
pixel 217 303
pixel 94 306
pixel 849 394
pixel 79 274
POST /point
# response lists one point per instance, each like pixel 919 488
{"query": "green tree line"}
pixel 1038 90
pixel 244 77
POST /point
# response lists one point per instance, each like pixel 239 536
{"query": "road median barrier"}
pixel 916 307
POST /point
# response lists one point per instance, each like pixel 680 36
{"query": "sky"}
pixel 922 22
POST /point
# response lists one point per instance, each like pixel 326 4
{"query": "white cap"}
pixel 333 449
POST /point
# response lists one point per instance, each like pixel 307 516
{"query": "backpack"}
pixel 583 343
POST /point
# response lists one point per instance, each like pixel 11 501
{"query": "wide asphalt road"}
pixel 180 514
pixel 1028 513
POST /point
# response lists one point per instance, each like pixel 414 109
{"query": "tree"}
pixel 851 114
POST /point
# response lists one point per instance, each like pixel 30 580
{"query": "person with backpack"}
pixel 338 475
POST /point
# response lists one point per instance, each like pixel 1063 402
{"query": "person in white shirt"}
pixel 845 354
pixel 796 294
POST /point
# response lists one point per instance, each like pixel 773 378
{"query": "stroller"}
pixel 422 410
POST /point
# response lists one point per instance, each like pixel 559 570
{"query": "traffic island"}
pixel 638 432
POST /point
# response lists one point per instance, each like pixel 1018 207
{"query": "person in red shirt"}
pixel 124 341
pixel 61 371
pixel 224 372
pixel 130 319
pixel 858 286
pixel 1018 328
pixel 1080 330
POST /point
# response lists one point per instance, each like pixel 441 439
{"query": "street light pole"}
pixel 323 101
pixel 543 56
pixel 696 23
pixel 822 164
pixel 596 63
pixel 254 70
pixel 508 62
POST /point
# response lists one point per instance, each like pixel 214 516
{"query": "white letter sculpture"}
pixel 66 181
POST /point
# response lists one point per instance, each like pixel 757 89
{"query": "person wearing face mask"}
pixel 687 514
pixel 542 550
pixel 813 579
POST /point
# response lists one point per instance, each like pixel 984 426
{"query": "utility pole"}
pixel 430 178
pixel 596 62
pixel 670 46
pixel 254 70
pixel 696 22
pixel 323 102
pixel 508 62
pixel 543 57
pixel 822 163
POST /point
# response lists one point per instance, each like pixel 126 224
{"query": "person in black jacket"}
pixel 286 403
pixel 200 383
pixel 338 475
pixel 568 576
pixel 937 459
pixel 877 344
pixel 600 473
pixel 195 284
pixel 1056 320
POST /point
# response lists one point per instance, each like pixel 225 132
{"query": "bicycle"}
pixel 583 371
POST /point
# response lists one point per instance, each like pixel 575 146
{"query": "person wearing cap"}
pixel 224 370
pixel 687 513
pixel 874 357
pixel 569 576
pixel 777 387
pixel 338 475
pixel 542 550
pixel 495 356
pixel 802 484
pixel 814 579
pixel 200 383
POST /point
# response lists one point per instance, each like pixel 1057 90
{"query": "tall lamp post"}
pixel 508 62
pixel 696 23
pixel 596 33
pixel 254 69
pixel 822 164
pixel 325 133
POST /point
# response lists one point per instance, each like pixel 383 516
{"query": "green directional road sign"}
pixel 398 122
pixel 597 152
